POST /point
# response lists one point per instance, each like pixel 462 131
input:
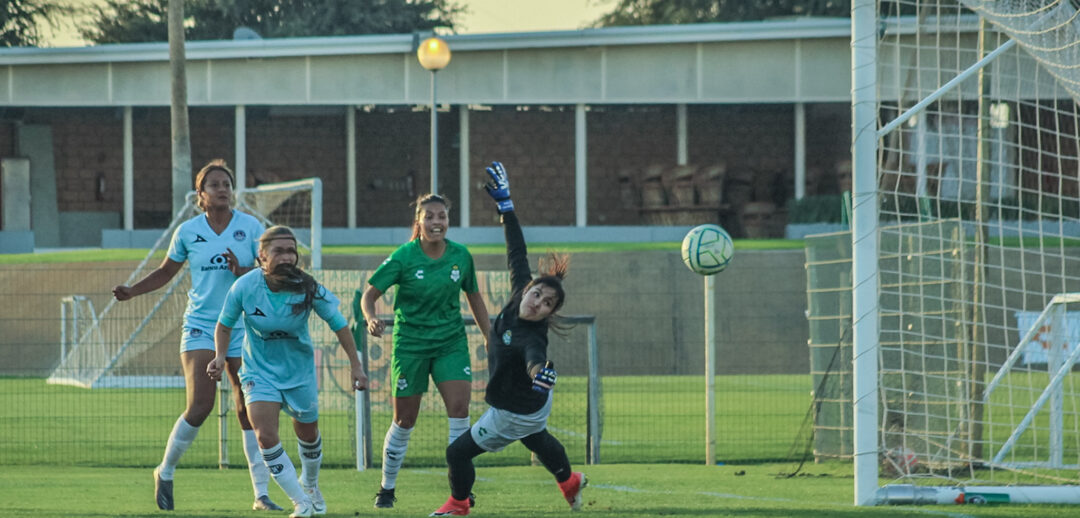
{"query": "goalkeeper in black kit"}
pixel 519 389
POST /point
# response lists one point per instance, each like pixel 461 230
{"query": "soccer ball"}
pixel 707 249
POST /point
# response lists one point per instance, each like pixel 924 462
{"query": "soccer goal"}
pixel 966 251
pixel 113 346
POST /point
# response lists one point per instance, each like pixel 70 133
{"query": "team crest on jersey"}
pixel 455 273
pixel 506 337
pixel 199 239
pixel 239 235
pixel 402 384
pixel 194 333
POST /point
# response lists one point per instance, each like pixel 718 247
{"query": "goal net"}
pixel 966 247
pixel 134 344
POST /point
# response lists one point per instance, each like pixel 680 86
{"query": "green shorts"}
pixel 410 372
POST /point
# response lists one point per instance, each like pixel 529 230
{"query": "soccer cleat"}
pixel 385 499
pixel 302 509
pixel 571 489
pixel 317 502
pixel 163 491
pixel 453 508
pixel 472 500
pixel 264 503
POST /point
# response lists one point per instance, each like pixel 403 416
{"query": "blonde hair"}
pixel 217 164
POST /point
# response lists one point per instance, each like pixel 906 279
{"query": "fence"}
pixel 648 331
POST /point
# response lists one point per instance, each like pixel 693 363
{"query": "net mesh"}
pixel 120 345
pixel 979 224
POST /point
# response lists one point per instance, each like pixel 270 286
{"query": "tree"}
pixel 662 12
pixel 126 21
pixel 20 24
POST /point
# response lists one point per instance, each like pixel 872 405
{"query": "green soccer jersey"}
pixel 427 306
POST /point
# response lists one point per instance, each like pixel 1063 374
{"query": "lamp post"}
pixel 434 54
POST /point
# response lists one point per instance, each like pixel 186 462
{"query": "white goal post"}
pixel 966 251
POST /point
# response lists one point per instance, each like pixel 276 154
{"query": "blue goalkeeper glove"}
pixel 545 379
pixel 499 187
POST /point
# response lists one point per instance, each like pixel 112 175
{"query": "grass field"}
pixel 615 490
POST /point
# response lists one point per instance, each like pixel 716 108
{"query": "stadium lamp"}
pixel 434 54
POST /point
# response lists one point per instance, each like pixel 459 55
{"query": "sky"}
pixel 485 16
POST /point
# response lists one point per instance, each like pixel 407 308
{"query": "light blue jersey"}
pixel 194 241
pixel 277 346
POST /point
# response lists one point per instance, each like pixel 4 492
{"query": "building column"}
pixel 580 169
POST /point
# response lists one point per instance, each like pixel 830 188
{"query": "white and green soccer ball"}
pixel 707 249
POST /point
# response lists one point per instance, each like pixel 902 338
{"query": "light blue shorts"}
pixel 497 428
pixel 199 339
pixel 301 403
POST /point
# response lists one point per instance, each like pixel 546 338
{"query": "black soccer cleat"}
pixel 385 499
pixel 163 492
pixel 472 500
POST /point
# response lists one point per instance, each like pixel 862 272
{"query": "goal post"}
pixel 966 251
pixel 98 352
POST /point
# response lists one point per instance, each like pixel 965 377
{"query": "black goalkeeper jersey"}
pixel 515 345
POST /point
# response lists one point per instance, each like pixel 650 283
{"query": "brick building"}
pixel 763 103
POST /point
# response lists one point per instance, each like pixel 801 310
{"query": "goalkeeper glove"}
pixel 545 379
pixel 499 187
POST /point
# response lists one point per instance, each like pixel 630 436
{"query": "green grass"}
pixel 94 255
pixel 645 419
pixel 615 490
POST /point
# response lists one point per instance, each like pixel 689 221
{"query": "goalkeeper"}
pixel 519 389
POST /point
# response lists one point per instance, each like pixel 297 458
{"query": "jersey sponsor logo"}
pixel 217 262
pixel 402 384
pixel 239 235
pixel 506 337
pixel 420 273
pixel 455 273
pixel 258 312
pixel 277 335
pixel 199 239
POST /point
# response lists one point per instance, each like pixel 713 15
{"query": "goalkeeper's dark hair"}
pixel 553 270
pixel 217 164
pixel 422 200
pixel 289 277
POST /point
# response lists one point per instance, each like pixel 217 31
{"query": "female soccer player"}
pixel 279 361
pixel 519 390
pixel 220 246
pixel 429 336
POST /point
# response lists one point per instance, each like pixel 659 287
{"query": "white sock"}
pixel 284 473
pixel 394 448
pixel 260 476
pixel 310 461
pixel 458 426
pixel 180 439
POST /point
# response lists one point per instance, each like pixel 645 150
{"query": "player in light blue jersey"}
pixel 220 246
pixel 279 360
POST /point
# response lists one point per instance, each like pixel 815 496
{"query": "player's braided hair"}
pixel 289 277
pixel 217 164
pixel 422 200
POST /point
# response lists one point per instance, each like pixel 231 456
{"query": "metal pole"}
pixel 463 165
pixel 129 171
pixel 710 371
pixel 434 138
pixel 580 166
pixel 240 137
pixel 864 237
pixel 350 165
pixel 800 150
pixel 594 425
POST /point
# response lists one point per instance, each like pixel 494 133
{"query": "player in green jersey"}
pixel 429 337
